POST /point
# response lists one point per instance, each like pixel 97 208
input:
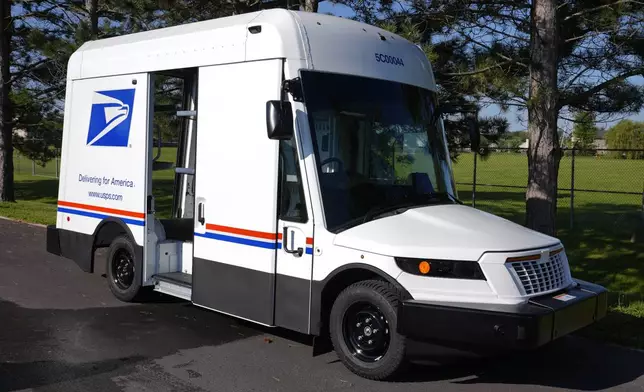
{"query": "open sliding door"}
pixel 236 237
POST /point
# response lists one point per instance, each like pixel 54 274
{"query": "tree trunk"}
pixel 6 123
pixel 309 5
pixel 544 152
pixel 92 10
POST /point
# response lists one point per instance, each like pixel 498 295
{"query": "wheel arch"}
pixel 107 231
pixel 324 292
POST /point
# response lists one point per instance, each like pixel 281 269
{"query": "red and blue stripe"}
pixel 96 212
pixel 258 239
pixel 254 238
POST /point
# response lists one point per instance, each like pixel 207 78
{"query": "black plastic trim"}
pixel 539 321
pixel 80 247
pixel 106 221
pixel 72 245
pixel 410 266
pixel 292 302
pixel 235 290
pixel 53 240
pixel 317 288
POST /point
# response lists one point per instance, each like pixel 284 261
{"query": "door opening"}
pixel 172 175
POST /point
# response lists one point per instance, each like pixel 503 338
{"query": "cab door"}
pixel 295 253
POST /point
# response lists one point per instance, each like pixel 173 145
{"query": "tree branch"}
pixel 504 57
pixel 601 7
pixel 503 33
pixel 478 71
pixel 584 96
pixel 586 35
pixel 584 70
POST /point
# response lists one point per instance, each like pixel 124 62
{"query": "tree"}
pixel 6 120
pixel 92 11
pixel 548 57
pixel 566 56
pixel 445 55
pixel 584 131
pixel 44 34
pixel 513 140
pixel 627 134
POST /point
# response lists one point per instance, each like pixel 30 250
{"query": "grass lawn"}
pixel 605 245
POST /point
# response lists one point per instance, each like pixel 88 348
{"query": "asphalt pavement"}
pixel 62 330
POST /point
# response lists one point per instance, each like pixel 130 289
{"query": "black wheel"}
pixel 124 270
pixel 363 329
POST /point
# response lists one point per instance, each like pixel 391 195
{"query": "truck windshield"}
pixel 377 147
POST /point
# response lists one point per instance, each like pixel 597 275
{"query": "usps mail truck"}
pixel 312 190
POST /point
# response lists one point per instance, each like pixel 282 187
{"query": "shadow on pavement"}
pixel 39 347
pixel 569 363
pixel 18 376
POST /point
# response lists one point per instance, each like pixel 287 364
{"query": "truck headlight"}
pixel 454 269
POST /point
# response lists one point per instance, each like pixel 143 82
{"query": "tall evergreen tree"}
pixel 547 57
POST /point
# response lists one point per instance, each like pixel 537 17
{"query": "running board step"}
pixel 176 284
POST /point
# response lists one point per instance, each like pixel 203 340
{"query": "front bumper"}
pixel 540 321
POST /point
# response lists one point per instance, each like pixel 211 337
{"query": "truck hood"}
pixel 443 232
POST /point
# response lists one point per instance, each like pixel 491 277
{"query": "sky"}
pixel 517 120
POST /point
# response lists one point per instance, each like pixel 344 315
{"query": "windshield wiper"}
pixel 378 211
pixel 446 195
pixel 418 201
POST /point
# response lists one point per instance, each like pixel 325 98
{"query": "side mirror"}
pixel 279 120
pixel 475 134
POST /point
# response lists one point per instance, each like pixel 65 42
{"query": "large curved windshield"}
pixel 377 147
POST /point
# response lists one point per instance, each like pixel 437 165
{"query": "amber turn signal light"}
pixel 424 267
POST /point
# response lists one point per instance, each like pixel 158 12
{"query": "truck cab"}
pixel 312 190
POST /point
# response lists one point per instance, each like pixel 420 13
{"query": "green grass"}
pixel 600 243
pixel 605 245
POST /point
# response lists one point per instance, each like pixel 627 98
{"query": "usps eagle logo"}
pixel 111 118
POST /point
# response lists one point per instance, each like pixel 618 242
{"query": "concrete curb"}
pixel 23 222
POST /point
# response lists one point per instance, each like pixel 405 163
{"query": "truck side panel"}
pixel 103 171
pixel 236 188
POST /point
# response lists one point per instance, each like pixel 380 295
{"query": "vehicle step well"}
pixel 178 278
pixel 175 284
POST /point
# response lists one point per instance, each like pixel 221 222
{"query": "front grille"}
pixel 538 277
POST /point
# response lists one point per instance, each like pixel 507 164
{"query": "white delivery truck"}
pixel 313 191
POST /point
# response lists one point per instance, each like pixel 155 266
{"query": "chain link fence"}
pixel 25 166
pixel 600 208
pixel 593 184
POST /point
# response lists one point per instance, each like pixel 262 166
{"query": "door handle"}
pixel 298 252
pixel 201 214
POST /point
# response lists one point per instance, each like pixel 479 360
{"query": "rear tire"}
pixel 124 270
pixel 363 325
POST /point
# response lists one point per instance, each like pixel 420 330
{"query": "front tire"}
pixel 363 325
pixel 124 270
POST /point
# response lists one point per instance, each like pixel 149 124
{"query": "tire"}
pixel 364 310
pixel 124 270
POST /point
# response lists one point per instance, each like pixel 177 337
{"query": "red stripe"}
pixel 309 241
pixel 132 214
pixel 244 232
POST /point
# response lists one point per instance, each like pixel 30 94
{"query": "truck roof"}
pixel 323 42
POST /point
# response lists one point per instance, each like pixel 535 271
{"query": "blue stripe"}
pixel 238 240
pixel 309 251
pixel 100 216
